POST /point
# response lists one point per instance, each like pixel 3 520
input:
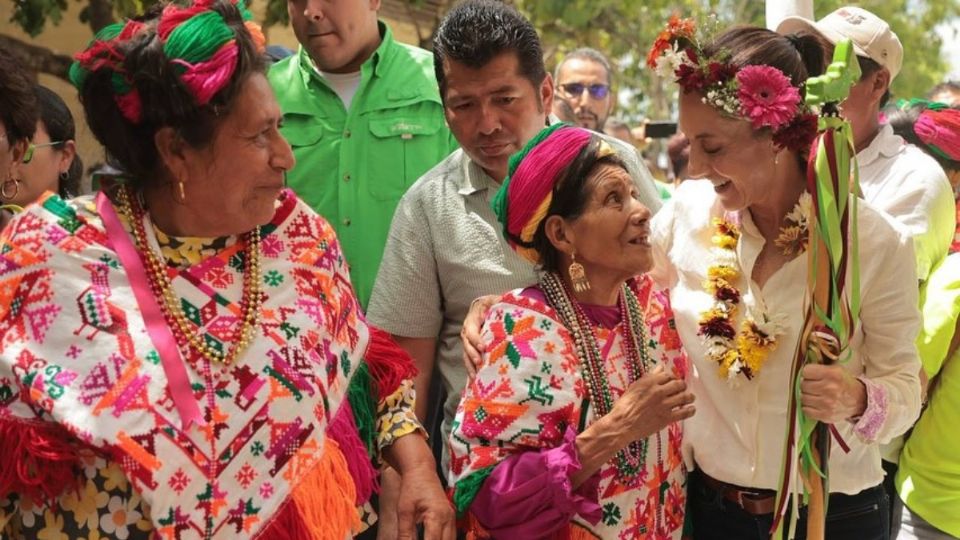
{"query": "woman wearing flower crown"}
pixel 570 428
pixel 729 250
pixel 728 247
pixel 182 355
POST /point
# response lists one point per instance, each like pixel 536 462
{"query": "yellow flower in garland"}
pixel 726 234
pixel 736 353
pixel 754 345
pixel 723 272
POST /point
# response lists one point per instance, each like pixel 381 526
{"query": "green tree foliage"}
pixel 622 29
pixel 625 29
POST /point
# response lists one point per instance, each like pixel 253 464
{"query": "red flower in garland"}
pixel 799 135
pixel 676 28
pixel 717 327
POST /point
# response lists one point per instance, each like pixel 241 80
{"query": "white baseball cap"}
pixel 871 35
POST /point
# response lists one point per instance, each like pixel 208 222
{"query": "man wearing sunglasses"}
pixel 584 96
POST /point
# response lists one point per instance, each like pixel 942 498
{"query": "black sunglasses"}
pixel 597 91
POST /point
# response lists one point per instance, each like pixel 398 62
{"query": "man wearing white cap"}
pixel 895 176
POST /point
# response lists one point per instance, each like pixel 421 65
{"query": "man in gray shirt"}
pixel 445 248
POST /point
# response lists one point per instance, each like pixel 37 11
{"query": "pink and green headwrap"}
pixel 197 41
pixel 523 200
pixel 938 126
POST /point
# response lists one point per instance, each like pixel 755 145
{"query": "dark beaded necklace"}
pixel 630 460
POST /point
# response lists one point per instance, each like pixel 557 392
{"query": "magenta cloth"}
pixel 529 495
pixel 535 176
pixel 940 128
pixel 604 316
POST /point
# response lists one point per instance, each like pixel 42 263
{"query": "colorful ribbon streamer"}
pixel 832 303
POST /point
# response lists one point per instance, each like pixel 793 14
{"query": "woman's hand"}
pixel 470 332
pixel 422 501
pixel 831 394
pixel 421 498
pixel 649 405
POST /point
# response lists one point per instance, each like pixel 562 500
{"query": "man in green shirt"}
pixel 363 115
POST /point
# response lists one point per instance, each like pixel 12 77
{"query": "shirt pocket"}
pixel 402 149
pixel 301 130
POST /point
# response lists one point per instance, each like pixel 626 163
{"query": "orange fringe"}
pixel 321 506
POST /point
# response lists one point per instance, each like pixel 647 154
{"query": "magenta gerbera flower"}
pixel 766 96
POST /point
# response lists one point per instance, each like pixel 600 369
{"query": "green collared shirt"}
pixel 354 165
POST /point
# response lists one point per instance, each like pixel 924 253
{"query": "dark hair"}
pixel 903 121
pixel 18 106
pixel 678 149
pixel 570 197
pixel 58 121
pixel 586 53
pixel 868 66
pixel 798 56
pixel 476 31
pixel 165 101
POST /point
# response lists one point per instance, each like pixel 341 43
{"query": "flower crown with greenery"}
pixel 761 94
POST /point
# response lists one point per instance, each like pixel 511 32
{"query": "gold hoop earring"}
pixel 16 189
pixel 578 276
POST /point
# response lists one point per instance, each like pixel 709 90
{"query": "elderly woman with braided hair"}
pixel 571 425
pixel 182 355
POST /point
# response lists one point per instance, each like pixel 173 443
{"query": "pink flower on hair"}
pixel 766 96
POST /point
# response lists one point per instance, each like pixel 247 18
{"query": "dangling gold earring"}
pixel 183 191
pixel 776 159
pixel 578 276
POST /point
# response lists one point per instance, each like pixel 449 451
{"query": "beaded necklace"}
pixel 631 459
pixel 162 288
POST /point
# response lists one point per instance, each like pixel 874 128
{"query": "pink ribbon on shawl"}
pixel 157 327
pixel 940 128
pixel 205 79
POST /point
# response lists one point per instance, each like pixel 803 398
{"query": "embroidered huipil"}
pixel 512 446
pixel 737 433
pixel 293 428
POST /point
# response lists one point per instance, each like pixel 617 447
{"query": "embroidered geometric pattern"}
pixel 529 389
pixel 268 416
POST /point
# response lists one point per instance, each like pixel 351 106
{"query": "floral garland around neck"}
pixel 744 352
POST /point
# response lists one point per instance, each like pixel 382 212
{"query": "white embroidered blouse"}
pixel 738 432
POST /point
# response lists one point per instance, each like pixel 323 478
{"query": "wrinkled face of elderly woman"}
pixel 737 160
pixel 236 179
pixel 611 236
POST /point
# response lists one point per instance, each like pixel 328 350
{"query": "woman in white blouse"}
pixel 732 239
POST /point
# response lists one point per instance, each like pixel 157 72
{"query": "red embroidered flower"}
pixel 799 135
pixel 766 97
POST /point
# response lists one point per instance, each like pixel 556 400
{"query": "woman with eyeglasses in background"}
pixel 51 162
pixel 18 116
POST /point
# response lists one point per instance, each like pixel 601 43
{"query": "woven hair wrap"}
pixel 196 39
pixel 939 129
pixel 525 196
